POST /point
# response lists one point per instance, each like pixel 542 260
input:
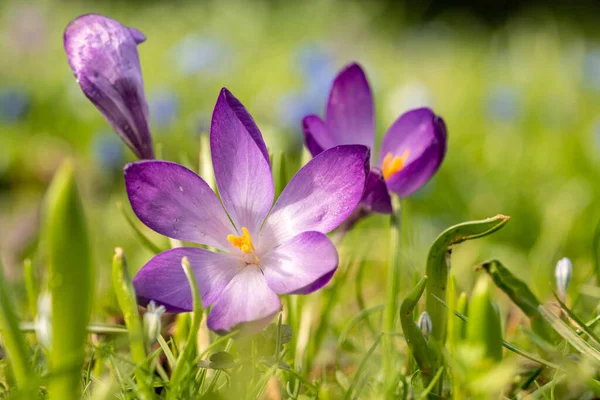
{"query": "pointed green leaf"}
pixel 519 293
pixel 70 281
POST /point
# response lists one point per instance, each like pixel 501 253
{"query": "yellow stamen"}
pixel 392 165
pixel 244 243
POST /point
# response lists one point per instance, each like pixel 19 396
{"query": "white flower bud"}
pixel 152 323
pixel 43 320
pixel 563 274
pixel 424 323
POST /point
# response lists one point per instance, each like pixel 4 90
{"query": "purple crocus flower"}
pixel 411 152
pixel 103 55
pixel 263 249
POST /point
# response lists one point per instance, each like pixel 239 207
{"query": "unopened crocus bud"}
pixel 152 322
pixel 563 273
pixel 103 56
pixel 424 323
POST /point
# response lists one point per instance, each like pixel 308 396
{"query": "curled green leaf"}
pixel 437 266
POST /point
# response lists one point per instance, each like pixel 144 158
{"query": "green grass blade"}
pixel 14 341
pixel 125 293
pixel 185 361
pixel 568 334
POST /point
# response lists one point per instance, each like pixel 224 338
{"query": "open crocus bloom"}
pixel 411 152
pixel 263 249
pixel 103 56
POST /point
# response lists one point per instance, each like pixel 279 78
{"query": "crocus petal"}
pixel 376 197
pixel 246 303
pixel 320 196
pixel 242 172
pixel 246 119
pixel 350 114
pixel 301 265
pixel 162 279
pixel 423 134
pixel 175 202
pixel 103 56
pixel 316 135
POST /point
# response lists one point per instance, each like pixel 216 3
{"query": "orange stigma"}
pixel 392 165
pixel 244 243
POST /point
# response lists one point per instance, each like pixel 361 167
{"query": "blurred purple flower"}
pixel 107 151
pixel 264 250
pixel 411 152
pixel 14 103
pixel 503 103
pixel 164 106
pixel 195 54
pixel 103 55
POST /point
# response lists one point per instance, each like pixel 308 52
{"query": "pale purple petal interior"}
pixel 296 265
pixel 162 279
pixel 175 202
pixel 320 196
pixel 247 300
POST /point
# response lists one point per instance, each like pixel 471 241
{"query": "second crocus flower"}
pixel 412 149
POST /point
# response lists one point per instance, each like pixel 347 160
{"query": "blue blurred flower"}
pixel 503 103
pixel 108 151
pixel 14 102
pixel 164 106
pixel 292 107
pixel 317 70
pixel 194 54
pixel 317 67
pixel 591 69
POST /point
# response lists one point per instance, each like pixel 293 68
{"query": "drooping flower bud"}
pixel 152 322
pixel 424 323
pixel 103 56
pixel 563 273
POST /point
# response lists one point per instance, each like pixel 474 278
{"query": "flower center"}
pixel 393 164
pixel 244 243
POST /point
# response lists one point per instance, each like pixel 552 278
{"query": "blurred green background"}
pixel 519 91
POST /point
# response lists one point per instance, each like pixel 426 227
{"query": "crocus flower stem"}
pixel 126 299
pixel 393 284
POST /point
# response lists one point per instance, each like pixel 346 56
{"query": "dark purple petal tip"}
pixel 103 56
